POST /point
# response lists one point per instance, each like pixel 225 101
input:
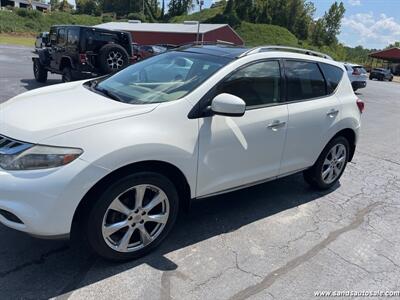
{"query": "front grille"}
pixel 10 146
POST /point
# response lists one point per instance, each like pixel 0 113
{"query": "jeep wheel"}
pixel 132 216
pixel 113 58
pixel 39 71
pixel 67 75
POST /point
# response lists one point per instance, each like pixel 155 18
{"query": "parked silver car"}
pixel 357 75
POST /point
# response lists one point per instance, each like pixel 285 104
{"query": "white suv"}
pixel 116 157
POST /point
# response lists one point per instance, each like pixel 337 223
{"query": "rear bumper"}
pixel 358 84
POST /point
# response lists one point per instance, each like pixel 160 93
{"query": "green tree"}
pixel 179 7
pixel 318 33
pixel 333 20
pixel 89 7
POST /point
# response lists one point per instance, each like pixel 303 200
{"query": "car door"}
pixel 237 151
pixel 314 111
pixel 58 49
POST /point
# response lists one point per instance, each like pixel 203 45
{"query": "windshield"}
pixel 162 78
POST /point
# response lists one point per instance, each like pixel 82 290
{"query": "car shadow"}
pixel 30 84
pixel 207 218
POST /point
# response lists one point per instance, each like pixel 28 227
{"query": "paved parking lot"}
pixel 279 240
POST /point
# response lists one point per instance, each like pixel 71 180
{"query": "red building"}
pixel 175 33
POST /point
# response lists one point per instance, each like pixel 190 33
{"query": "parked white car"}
pixel 116 157
pixel 357 74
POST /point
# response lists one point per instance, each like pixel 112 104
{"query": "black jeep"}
pixel 79 52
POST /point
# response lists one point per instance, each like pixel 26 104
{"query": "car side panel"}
pixel 165 134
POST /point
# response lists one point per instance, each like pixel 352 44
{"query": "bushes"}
pixel 137 16
pixel 22 20
pixel 28 13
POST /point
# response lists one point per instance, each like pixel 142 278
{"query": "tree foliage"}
pixel 179 7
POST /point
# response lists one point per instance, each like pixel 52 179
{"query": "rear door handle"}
pixel 333 112
pixel 276 124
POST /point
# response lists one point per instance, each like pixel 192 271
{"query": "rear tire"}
pixel 39 71
pixel 112 58
pixel 67 75
pixel 330 165
pixel 120 205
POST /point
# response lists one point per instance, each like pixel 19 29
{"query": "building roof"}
pixel 160 27
pixel 392 54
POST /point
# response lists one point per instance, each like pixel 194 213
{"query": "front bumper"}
pixel 45 200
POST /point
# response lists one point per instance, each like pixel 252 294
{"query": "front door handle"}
pixel 276 124
pixel 332 113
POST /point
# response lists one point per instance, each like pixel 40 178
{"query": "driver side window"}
pixel 258 84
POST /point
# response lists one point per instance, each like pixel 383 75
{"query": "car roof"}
pixel 229 51
pixel 233 51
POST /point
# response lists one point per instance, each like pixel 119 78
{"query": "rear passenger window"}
pixel 256 84
pixel 61 37
pixel 73 36
pixel 333 75
pixel 304 80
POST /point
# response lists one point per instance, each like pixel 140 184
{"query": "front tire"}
pixel 133 216
pixel 330 165
pixel 39 71
pixel 67 75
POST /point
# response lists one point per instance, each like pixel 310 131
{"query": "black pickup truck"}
pixel 79 52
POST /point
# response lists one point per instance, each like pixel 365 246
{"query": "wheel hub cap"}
pixel 334 163
pixel 135 218
pixel 115 60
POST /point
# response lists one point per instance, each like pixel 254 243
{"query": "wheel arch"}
pixel 350 135
pixel 167 169
pixel 65 62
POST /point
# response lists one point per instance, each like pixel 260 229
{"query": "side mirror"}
pixel 228 105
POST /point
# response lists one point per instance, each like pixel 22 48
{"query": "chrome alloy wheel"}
pixel 115 60
pixel 135 218
pixel 334 163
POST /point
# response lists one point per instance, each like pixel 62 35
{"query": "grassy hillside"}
pixel 264 34
pixel 32 21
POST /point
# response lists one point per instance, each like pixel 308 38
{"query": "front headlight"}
pixel 39 157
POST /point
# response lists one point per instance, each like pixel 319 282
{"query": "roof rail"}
pixel 284 48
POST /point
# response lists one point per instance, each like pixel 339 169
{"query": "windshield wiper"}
pixel 109 94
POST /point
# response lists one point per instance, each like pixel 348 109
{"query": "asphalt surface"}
pixel 279 240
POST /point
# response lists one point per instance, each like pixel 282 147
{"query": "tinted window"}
pixel 359 69
pixel 61 37
pixel 257 84
pixel 333 75
pixel 73 36
pixel 53 36
pixel 304 80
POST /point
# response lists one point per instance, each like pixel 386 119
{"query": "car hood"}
pixel 49 111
